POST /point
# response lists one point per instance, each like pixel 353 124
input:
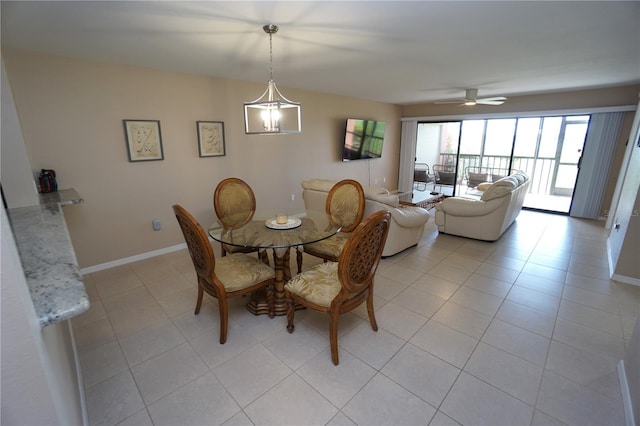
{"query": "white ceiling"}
pixel 390 51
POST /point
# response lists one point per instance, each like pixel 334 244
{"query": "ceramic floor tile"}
pixel 294 349
pixel 304 405
pixel 450 273
pixel 208 346
pixel 383 402
pixel 141 418
pixel 373 347
pixel 526 318
pixel 341 420
pixel 399 273
pixel 167 372
pixel 465 320
pixel 588 339
pixel 90 336
pixel 574 404
pixel 547 272
pixel 596 372
pixel 441 419
pixel 127 322
pixel 506 372
pixel 207 401
pixel 423 374
pixel 337 383
pixel 604 286
pixel 488 285
pixel 250 374
pixel 459 261
pixel 517 341
pixel 496 272
pixel 113 400
pixel 446 343
pixel 594 299
pixel 437 286
pixel 191 325
pixel 150 342
pixel 419 302
pixel 399 321
pixel 473 402
pixel 101 363
pixel 477 300
pixel 417 263
pixel 387 288
pixel 542 285
pixel 591 317
pixel 542 302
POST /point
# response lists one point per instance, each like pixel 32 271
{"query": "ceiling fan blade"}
pixel 491 101
pixel 456 101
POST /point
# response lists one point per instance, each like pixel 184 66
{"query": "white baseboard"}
pixel 626 396
pixel 625 279
pixel 132 259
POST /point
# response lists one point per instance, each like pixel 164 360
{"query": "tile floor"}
pixel 524 331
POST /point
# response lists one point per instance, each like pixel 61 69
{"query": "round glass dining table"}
pixel 276 231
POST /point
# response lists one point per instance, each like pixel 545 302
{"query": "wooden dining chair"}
pixel 345 208
pixel 234 275
pixel 234 204
pixel 339 287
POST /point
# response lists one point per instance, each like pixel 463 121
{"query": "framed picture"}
pixel 210 138
pixel 144 141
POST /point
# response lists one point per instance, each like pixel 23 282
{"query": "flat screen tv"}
pixel 363 139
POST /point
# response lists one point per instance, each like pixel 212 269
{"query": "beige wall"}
pixel 71 114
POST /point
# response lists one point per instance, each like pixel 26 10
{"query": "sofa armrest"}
pixel 467 207
pixel 409 216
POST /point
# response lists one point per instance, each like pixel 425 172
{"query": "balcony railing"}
pixel 539 170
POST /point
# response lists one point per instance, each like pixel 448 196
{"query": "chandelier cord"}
pixel 270 56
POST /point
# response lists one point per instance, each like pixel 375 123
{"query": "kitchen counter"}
pixel 48 259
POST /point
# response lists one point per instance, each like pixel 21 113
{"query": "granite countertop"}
pixel 48 259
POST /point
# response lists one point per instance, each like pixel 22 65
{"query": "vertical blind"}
pixel 407 155
pixel 599 147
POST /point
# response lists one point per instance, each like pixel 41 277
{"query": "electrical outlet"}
pixel 293 197
pixel 156 224
pixel 384 180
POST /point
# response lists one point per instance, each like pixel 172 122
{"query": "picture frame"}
pixel 144 140
pixel 211 138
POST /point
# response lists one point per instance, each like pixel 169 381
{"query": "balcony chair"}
pixel 234 275
pixel 444 175
pixel 421 176
pixel 340 287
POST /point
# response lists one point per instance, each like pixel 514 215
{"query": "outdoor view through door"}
pixel 548 149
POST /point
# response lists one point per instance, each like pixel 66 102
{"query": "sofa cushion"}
pixel 318 184
pixel 483 186
pixel 500 188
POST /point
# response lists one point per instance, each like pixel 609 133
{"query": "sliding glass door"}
pixel 548 149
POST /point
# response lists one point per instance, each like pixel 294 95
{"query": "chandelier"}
pixel 271 113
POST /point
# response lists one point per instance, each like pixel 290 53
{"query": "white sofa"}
pixel 487 218
pixel 407 222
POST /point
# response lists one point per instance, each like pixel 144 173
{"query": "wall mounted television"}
pixel 363 139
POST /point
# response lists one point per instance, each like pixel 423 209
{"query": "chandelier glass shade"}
pixel 272 113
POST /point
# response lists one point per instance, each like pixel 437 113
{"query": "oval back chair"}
pixel 345 208
pixel 339 287
pixel 234 204
pixel 233 275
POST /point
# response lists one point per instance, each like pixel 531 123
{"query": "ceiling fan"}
pixel 471 98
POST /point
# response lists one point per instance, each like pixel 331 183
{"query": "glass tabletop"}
pixel 264 230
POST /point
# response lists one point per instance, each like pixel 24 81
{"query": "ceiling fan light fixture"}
pixel 470 103
pixel 272 113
